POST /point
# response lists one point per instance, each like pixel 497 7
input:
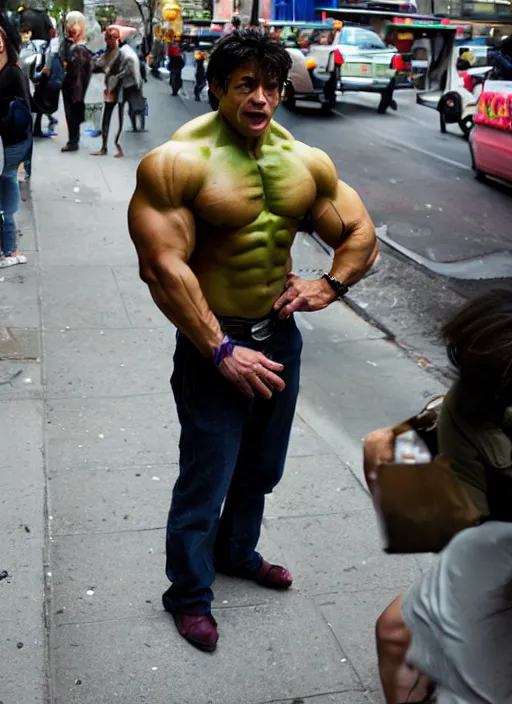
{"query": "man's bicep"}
pixel 160 234
pixel 160 222
pixel 339 213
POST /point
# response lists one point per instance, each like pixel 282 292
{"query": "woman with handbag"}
pixel 453 626
pixel 16 135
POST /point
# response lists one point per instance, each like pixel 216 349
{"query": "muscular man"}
pixel 213 219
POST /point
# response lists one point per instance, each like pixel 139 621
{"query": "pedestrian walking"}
pixel 453 626
pixel 213 219
pixel 112 64
pixel 48 84
pixel 77 63
pixel 131 88
pixel 16 135
pixel 176 65
pixel 157 52
pixel 200 58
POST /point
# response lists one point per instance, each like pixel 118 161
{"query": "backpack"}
pixel 18 116
pixel 16 121
pixel 56 77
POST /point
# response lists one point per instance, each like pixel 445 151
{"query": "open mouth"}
pixel 257 119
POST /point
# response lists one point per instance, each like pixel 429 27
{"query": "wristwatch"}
pixel 339 288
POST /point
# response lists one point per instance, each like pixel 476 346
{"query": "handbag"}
pixel 421 506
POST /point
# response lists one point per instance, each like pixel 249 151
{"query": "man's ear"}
pixel 215 89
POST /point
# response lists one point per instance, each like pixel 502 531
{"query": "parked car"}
pixel 352 58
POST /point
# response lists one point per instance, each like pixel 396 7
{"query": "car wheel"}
pixel 289 96
pixel 386 100
pixel 466 125
pixel 480 176
pixel 326 108
pixel 442 123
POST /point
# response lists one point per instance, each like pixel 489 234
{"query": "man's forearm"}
pixel 355 255
pixel 177 293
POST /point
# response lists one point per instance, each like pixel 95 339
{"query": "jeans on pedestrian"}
pixel 14 155
pixel 232 450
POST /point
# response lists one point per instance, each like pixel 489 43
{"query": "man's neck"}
pixel 251 145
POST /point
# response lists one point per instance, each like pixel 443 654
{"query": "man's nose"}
pixel 258 97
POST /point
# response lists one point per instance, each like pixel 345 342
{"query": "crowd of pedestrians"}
pixel 37 65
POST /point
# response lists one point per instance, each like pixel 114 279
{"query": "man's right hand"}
pixel 252 372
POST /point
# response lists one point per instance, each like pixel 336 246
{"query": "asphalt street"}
pixel 451 231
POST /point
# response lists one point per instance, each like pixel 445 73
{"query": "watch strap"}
pixel 337 286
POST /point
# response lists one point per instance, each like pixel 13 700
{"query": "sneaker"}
pixel 13 259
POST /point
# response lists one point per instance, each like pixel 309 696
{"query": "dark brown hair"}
pixel 12 54
pixel 479 340
pixel 241 48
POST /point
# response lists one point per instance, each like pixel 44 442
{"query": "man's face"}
pixel 250 101
pixel 26 35
pixel 112 38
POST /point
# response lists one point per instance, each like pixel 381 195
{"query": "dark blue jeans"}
pixel 232 450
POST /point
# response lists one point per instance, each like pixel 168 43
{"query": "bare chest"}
pixel 238 188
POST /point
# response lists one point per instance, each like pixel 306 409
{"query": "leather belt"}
pixel 246 330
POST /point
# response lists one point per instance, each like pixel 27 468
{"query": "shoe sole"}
pixel 200 646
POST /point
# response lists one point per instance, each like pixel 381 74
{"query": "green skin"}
pixel 214 216
pixel 246 217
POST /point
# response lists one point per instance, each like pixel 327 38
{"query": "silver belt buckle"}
pixel 262 330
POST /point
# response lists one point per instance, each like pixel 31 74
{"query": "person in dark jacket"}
pixel 176 64
pixel 200 57
pixel 39 22
pixel 77 62
pixel 16 134
pixel 501 60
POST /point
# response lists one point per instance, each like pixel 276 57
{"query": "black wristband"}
pixel 339 288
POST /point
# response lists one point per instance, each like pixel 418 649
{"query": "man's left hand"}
pixel 303 295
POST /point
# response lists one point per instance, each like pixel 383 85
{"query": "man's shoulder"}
pixel 173 154
pixel 198 132
pixel 280 134
pixel 173 169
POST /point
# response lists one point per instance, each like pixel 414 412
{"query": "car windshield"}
pixel 319 36
pixel 362 38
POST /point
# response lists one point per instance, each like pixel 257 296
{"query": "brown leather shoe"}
pixel 200 630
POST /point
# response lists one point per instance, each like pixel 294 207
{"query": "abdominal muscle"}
pixel 242 273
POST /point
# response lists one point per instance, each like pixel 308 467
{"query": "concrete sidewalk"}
pixel 90 456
